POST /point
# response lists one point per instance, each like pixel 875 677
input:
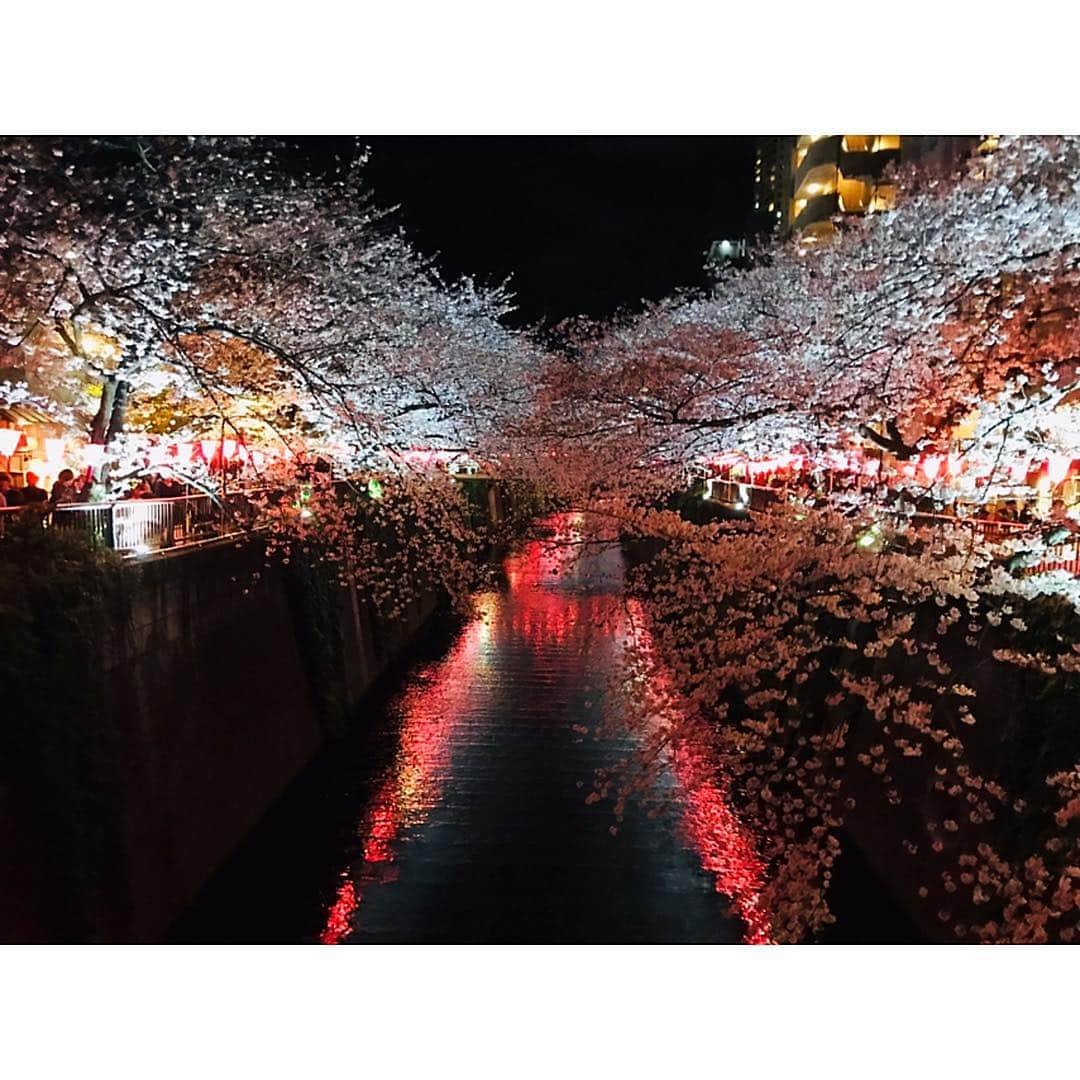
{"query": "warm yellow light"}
pixel 99 345
pixel 855 143
pixel 9 439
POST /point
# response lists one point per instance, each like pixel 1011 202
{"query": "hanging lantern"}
pixel 93 454
pixel 159 454
pixel 931 466
pixel 9 439
pixel 229 449
pixel 1018 471
pixel 955 464
pixel 1057 468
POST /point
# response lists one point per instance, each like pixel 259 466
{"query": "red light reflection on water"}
pixel 432 706
pixel 721 841
pixel 413 785
pixel 435 701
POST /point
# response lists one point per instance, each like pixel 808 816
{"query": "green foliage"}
pixel 63 595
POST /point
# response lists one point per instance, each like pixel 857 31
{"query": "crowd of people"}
pixel 67 489
pixel 28 495
pixel 912 502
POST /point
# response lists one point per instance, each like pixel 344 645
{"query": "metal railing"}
pixel 140 526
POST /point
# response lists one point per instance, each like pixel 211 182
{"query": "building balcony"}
pixel 811 152
pixel 805 212
pixel 817 180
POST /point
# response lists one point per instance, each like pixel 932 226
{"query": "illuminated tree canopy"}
pixel 845 657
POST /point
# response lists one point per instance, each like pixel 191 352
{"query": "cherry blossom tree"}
pixel 223 289
pixel 856 669
pixel 203 277
pixel 909 322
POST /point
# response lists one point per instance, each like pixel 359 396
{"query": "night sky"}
pixel 581 224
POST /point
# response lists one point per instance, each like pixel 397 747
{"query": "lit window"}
pixel 856 144
pixel 884 198
pixel 854 194
pixel 886 142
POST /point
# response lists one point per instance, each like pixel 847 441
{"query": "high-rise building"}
pixel 772 169
pixel 803 182
pixel 827 175
pixel 833 174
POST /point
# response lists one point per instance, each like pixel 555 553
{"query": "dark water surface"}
pixel 457 812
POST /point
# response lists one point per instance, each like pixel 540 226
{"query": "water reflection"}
pixel 478 830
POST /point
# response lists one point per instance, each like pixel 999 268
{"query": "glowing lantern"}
pixel 9 439
pixel 931 466
pixel 955 464
pixel 1018 471
pixel 229 449
pixel 208 448
pixel 1057 468
pixel 159 455
pixel 93 454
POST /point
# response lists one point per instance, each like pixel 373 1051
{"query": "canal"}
pixel 457 812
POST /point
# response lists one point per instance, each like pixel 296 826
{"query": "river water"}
pixel 458 813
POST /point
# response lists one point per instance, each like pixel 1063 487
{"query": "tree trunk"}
pixel 108 422
pixel 99 427
pixel 119 411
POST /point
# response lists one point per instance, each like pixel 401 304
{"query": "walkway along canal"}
pixel 458 812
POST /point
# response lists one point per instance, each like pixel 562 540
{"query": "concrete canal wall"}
pixel 183 700
pixel 219 710
pixel 216 704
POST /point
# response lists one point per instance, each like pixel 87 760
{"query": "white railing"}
pixel 138 526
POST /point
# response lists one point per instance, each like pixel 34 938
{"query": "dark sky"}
pixel 581 224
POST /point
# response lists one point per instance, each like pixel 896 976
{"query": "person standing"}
pixel 32 495
pixel 64 489
pixel 8 492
